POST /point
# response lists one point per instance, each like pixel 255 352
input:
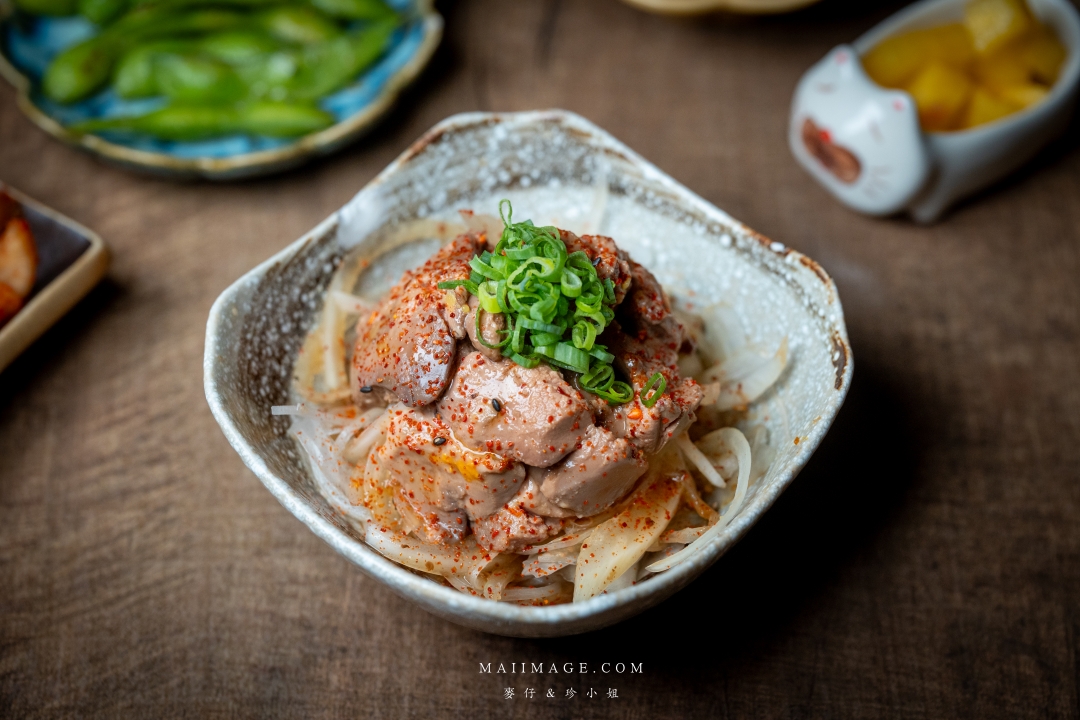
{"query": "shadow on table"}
pixel 846 494
pixel 47 350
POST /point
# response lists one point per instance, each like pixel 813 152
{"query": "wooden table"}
pixel 925 564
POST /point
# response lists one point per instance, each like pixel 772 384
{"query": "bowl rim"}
pixel 431 594
pixel 245 164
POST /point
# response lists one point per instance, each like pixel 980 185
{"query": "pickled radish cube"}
pixel 986 107
pixel 896 60
pixel 994 23
pixel 941 93
pixel 1022 95
pixel 1042 55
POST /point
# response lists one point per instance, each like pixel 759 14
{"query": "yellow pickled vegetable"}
pixel 941 92
pixel 1042 54
pixel 895 61
pixel 998 61
pixel 993 23
pixel 1022 95
pixel 985 107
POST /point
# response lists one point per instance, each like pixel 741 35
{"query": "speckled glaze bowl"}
pixel 556 167
pixel 27 48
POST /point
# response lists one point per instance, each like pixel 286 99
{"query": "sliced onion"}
pixel 532 594
pixel 566 541
pixel 447 561
pixel 665 551
pixel 617 544
pixel 351 303
pixel 710 393
pixel 724 335
pixel 359 448
pixel 746 376
pixel 737 441
pixel 548 563
pixel 699 460
pixel 500 572
pixel 333 334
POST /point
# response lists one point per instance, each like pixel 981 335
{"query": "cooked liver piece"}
pixel 490 325
pixel 595 475
pixel 527 414
pixel 407 346
pixel 513 528
pixel 650 343
pixel 440 487
pixel 610 262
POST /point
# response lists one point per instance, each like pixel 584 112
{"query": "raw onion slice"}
pixel 699 460
pixel 566 541
pixel 548 563
pixel 532 594
pixel 617 544
pixel 737 441
pixel 360 447
pixel 352 303
pixel 745 376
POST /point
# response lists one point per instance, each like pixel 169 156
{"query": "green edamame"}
pixel 80 71
pixel 55 8
pixel 355 9
pixel 194 79
pixel 101 12
pixel 329 66
pixel 184 122
pixel 295 24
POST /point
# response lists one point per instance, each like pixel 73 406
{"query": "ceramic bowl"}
pixel 26 48
pixel 71 261
pixel 863 143
pixel 555 167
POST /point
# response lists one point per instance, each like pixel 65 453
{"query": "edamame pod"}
pixel 184 122
pixel 332 65
pixel 280 119
pixel 80 71
pixel 134 76
pixel 101 12
pixel 194 79
pixel 238 47
pixel 55 8
pixel 296 24
pixel 175 122
pixel 355 9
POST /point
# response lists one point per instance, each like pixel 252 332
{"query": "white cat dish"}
pixel 863 142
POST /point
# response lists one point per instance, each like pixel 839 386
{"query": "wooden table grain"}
pixel 926 564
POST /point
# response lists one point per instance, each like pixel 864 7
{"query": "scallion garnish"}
pixel 554 303
pixel 653 389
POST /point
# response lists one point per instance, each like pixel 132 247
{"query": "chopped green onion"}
pixel 488 296
pixel 554 303
pixel 584 335
pixel 525 362
pixel 617 394
pixel 567 354
pixel 543 327
pixel 656 385
pixel 600 353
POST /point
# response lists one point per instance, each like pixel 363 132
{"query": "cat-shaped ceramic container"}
pixel 863 142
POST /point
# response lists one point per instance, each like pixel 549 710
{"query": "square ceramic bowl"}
pixel 555 167
pixel 71 261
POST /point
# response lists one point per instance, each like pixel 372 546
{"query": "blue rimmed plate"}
pixel 28 45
